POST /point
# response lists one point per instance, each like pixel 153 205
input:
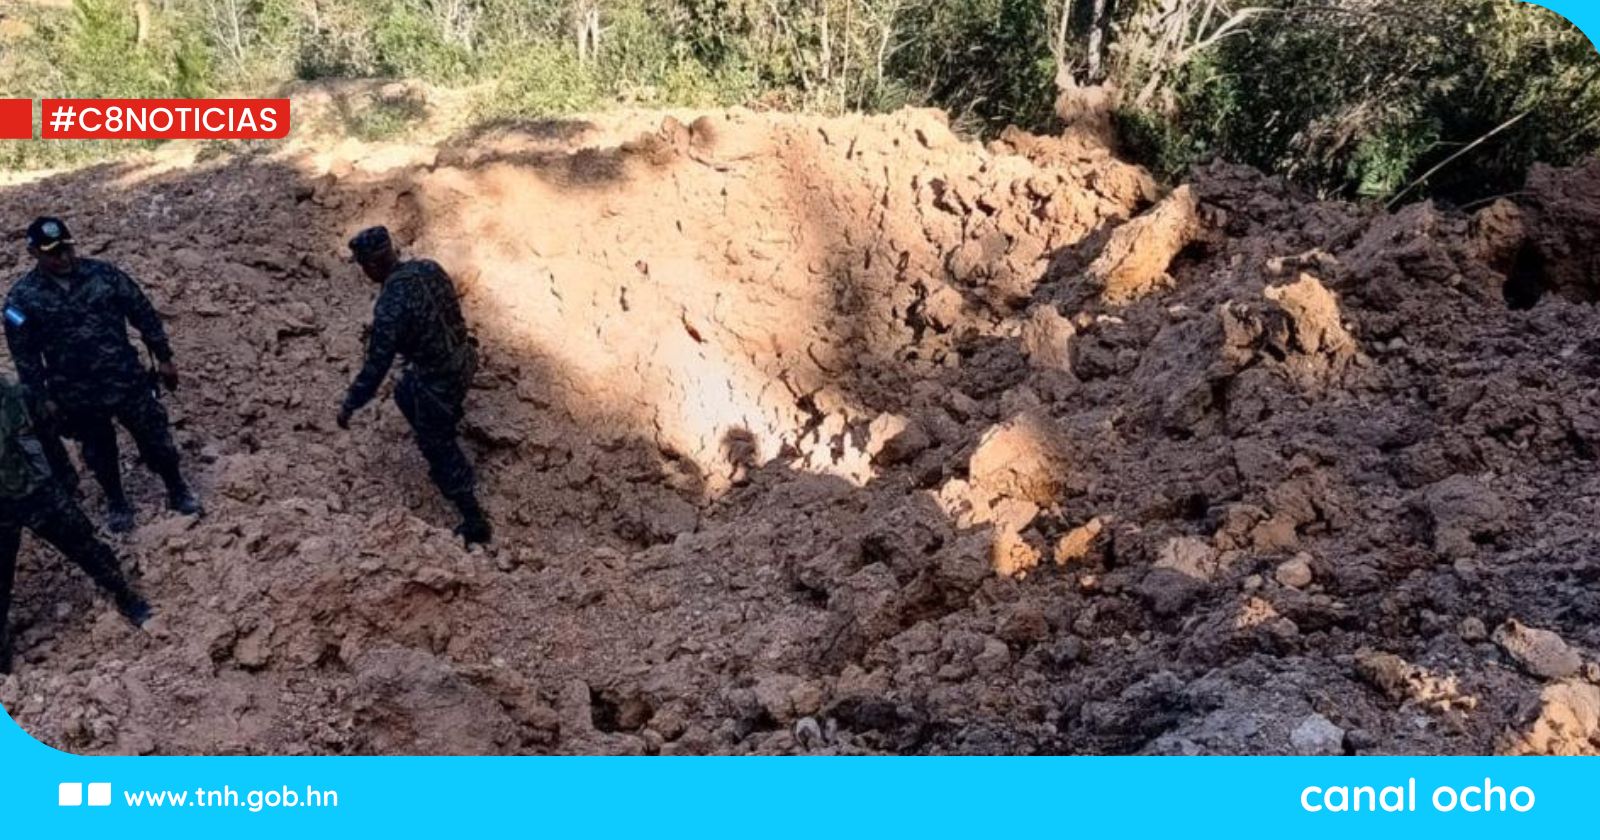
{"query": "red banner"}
pixel 165 119
pixel 16 119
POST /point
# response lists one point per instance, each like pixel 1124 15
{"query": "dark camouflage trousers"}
pixel 58 520
pixel 434 415
pixel 145 418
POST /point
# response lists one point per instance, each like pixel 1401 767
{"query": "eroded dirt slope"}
pixel 847 435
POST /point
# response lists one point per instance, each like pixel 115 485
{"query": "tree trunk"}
pixel 141 17
pixel 1059 48
pixel 1098 24
pixel 587 29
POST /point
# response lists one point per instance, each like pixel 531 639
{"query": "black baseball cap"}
pixel 48 233
pixel 370 242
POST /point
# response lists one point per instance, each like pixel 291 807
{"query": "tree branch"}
pixel 1451 159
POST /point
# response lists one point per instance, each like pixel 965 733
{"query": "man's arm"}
pixel 27 355
pixel 15 423
pixel 39 440
pixel 144 318
pixel 388 321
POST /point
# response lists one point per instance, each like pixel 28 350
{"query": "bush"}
pixel 408 46
pixel 91 50
pixel 1363 99
pixel 544 81
pixel 986 60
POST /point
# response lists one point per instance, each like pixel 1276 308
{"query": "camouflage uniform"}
pixel 31 497
pixel 69 341
pixel 418 317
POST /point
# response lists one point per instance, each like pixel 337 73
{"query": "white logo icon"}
pixel 70 794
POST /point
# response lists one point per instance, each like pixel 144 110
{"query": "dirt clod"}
pixel 1316 735
pixel 1295 572
pixel 1537 651
pixel 1135 260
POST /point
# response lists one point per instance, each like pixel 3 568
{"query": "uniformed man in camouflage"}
pixel 32 497
pixel 418 317
pixel 66 322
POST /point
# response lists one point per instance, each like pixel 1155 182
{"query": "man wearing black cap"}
pixel 66 323
pixel 32 497
pixel 418 317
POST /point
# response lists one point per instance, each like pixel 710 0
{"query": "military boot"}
pixel 474 528
pixel 119 515
pixel 134 608
pixel 184 501
pixel 179 497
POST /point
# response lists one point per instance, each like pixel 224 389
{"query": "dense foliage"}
pixel 1353 97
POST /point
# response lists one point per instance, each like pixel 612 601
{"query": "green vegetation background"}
pixel 1359 98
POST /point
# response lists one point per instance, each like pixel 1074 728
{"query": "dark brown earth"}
pixel 845 435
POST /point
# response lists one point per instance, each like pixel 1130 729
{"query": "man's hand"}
pixel 169 375
pixel 344 418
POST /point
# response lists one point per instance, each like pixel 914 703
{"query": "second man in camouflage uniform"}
pixel 418 317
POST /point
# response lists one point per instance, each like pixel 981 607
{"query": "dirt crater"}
pixel 848 435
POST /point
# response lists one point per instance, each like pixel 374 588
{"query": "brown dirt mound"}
pixel 829 435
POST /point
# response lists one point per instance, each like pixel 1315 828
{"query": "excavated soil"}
pixel 847 435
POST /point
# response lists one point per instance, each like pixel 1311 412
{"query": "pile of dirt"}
pixel 847 435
